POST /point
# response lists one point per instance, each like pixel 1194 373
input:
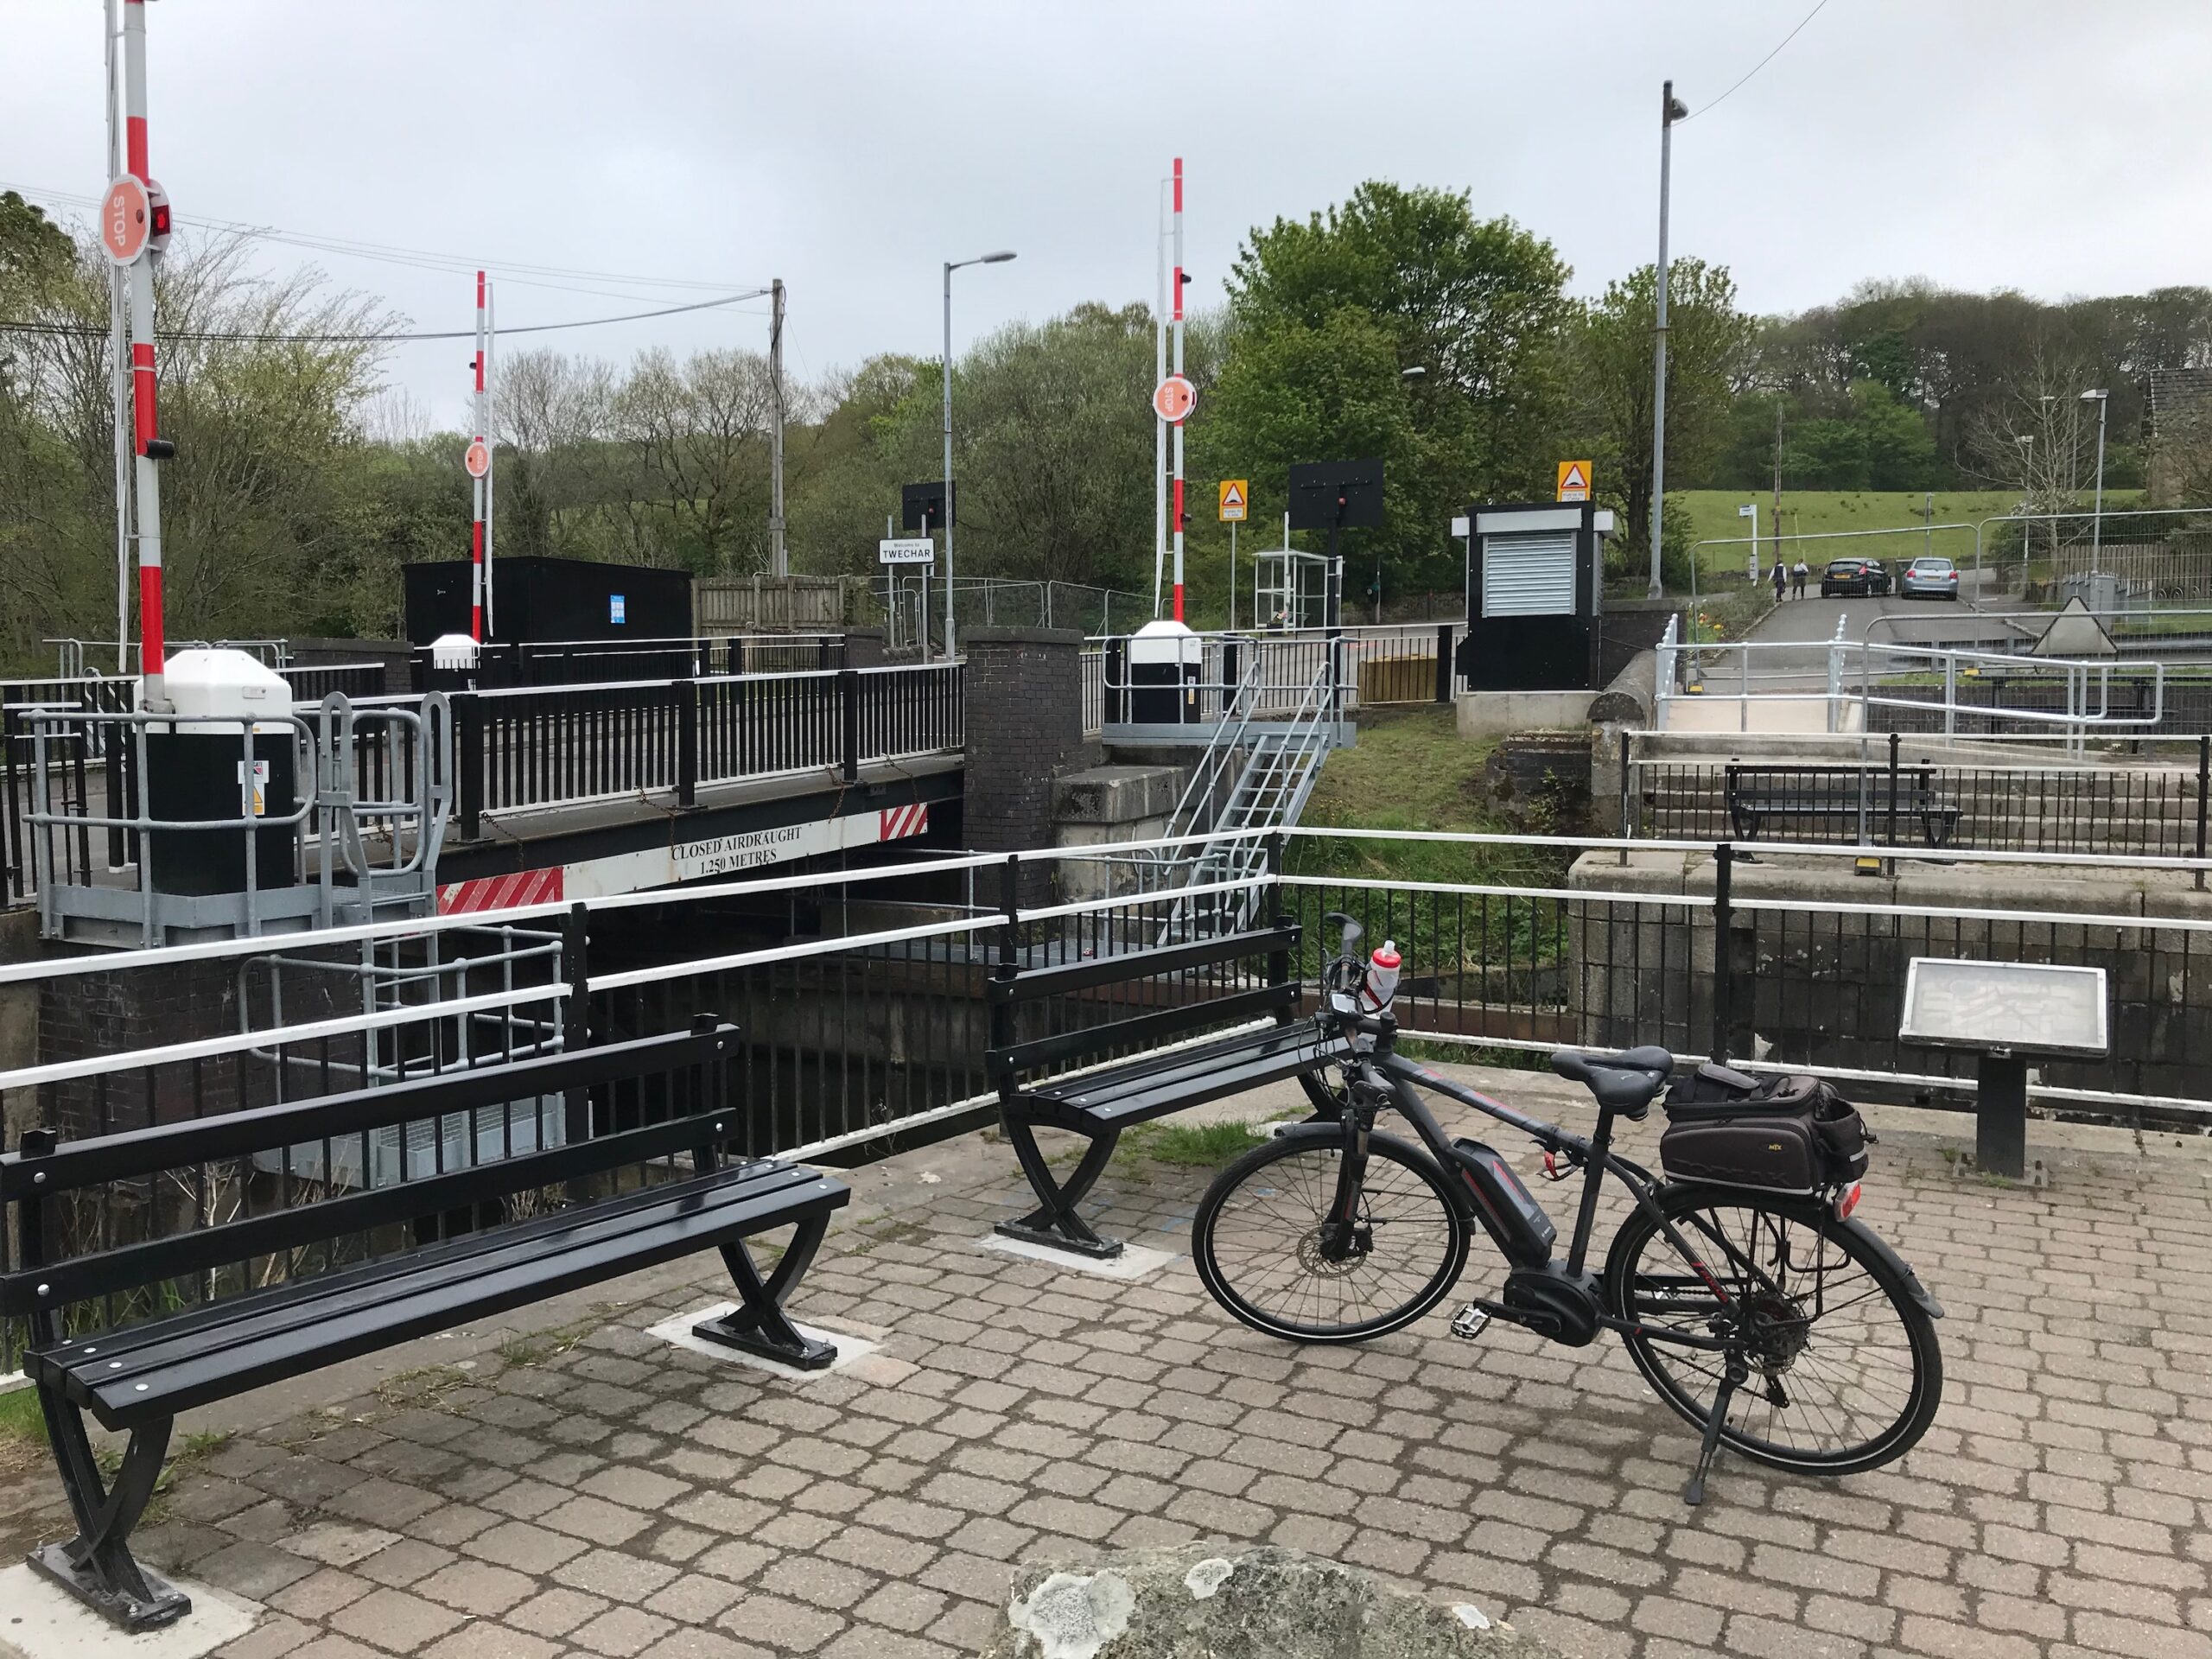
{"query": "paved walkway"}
pixel 588 1490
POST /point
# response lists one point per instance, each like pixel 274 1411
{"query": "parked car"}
pixel 1854 578
pixel 1929 578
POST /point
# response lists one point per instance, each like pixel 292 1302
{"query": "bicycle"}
pixel 1334 1233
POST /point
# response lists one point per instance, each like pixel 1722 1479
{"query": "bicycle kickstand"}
pixel 1735 1377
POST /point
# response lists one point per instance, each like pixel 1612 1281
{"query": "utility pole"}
pixel 145 427
pixel 1670 112
pixel 1777 478
pixel 1159 421
pixel 779 556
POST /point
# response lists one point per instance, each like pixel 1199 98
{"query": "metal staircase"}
pixel 1253 778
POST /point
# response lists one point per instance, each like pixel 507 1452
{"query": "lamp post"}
pixel 1671 110
pixel 2097 518
pixel 2027 442
pixel 998 259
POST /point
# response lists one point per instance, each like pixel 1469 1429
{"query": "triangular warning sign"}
pixel 1232 496
pixel 1572 479
pixel 2075 632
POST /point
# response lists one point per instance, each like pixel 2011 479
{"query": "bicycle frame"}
pixel 1387 1072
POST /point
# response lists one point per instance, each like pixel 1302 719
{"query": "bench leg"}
pixel 96 1566
pixel 759 1327
pixel 1054 1221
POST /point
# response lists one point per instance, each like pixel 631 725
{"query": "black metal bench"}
pixel 367 1266
pixel 1757 795
pixel 1100 1104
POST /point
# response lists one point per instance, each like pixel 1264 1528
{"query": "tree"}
pixel 1327 315
pixel 1708 361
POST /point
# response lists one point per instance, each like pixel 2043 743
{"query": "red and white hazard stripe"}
pixel 1177 304
pixel 896 822
pixel 501 891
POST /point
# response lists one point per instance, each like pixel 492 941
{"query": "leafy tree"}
pixel 1327 313
pixel 1709 360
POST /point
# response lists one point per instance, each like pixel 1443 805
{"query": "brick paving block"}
pixel 523 1546
pixel 486 1641
pixel 405 1562
pixel 695 1598
pixel 396 1620
pixel 689 1643
pixel 1766 1639
pixel 320 1594
pixel 338 1647
pixel 741 1560
pixel 255 1571
pixel 477 1588
pixel 789 1626
pixel 618 1575
pixel 818 1582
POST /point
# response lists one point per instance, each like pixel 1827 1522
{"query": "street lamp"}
pixel 2097 518
pixel 1671 110
pixel 2027 442
pixel 951 265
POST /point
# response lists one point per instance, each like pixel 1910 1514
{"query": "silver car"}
pixel 1928 579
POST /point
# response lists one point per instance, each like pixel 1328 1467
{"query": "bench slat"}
pixel 1162 1083
pixel 171 1365
pixel 333 1117
pixel 1039 982
pixel 1002 1063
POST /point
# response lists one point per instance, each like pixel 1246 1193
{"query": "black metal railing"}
pixel 503 665
pixel 2157 811
pixel 563 744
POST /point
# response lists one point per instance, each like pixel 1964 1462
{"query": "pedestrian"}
pixel 1781 577
pixel 1798 574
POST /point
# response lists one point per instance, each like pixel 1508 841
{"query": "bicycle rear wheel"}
pixel 1265 1250
pixel 1845 1373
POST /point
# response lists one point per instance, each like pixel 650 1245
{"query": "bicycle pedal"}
pixel 1470 1322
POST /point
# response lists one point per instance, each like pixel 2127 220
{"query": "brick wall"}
pixel 1024 696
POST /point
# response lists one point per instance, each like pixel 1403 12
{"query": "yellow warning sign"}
pixel 1575 481
pixel 1235 496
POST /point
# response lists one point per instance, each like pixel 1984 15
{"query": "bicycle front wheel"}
pixel 1268 1251
pixel 1844 1369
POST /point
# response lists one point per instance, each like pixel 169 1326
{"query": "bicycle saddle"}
pixel 1626 1083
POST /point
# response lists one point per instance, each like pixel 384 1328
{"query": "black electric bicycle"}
pixel 1778 1324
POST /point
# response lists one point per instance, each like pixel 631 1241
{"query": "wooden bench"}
pixel 307 1259
pixel 1100 1102
pixel 1757 796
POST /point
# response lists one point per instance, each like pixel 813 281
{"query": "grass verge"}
pixel 1202 1146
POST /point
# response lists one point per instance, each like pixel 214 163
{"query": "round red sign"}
pixel 477 458
pixel 125 219
pixel 1173 398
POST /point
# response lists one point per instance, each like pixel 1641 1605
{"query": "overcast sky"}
pixel 849 148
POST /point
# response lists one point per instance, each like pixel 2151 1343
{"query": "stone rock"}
pixel 1201 1601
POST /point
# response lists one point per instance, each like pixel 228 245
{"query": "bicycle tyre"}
pixel 1247 1189
pixel 1674 1372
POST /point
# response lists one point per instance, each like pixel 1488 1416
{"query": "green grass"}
pixel 22 1424
pixel 1713 513
pixel 1202 1146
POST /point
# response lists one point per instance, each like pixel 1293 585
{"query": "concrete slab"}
pixel 38 1620
pixel 1135 1261
pixel 677 1333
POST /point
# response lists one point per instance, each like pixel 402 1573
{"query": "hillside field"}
pixel 1713 513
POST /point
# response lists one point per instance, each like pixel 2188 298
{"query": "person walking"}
pixel 1781 577
pixel 1798 574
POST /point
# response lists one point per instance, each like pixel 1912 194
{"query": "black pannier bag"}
pixel 1793 1135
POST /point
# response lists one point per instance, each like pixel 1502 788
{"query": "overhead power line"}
pixel 1764 62
pixel 79 331
pixel 526 273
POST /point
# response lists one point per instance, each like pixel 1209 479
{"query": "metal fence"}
pixel 1891 793
pixel 867 1030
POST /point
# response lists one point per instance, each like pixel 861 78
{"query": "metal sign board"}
pixel 1327 494
pixel 1461 526
pixel 1236 499
pixel 2015 1008
pixel 926 507
pixel 477 458
pixel 617 610
pixel 1574 481
pixel 1174 399
pixel 906 550
pixel 126 220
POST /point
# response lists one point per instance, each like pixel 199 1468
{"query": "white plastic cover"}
pixel 223 685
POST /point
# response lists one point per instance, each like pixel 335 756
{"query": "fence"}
pixel 1895 797
pixel 725 605
pixel 858 1038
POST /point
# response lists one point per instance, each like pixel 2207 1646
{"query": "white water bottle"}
pixel 1383 975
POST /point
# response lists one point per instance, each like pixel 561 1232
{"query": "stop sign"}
pixel 1173 398
pixel 477 458
pixel 126 220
